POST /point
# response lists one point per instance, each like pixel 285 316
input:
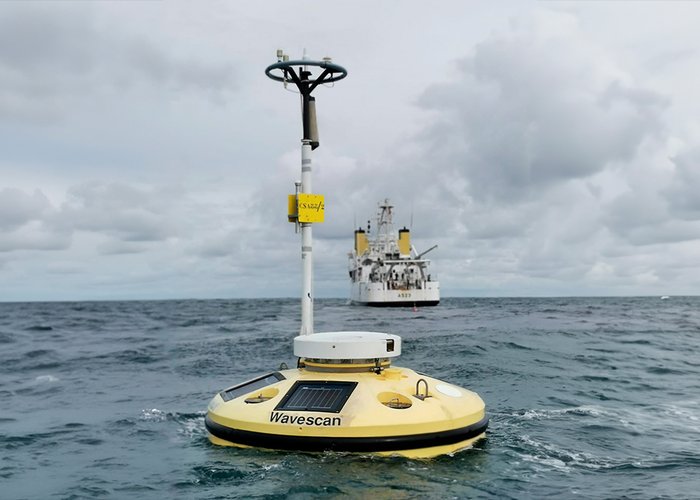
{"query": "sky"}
pixel 549 148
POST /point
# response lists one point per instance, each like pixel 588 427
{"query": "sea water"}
pixel 588 398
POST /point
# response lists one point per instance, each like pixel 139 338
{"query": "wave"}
pixel 39 328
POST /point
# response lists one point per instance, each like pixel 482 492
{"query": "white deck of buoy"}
pixel 347 345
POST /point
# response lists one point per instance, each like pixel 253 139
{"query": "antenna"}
pixel 304 207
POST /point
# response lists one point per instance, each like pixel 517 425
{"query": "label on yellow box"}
pixel 310 207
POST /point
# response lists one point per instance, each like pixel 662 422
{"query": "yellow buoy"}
pixel 350 405
pixel 344 395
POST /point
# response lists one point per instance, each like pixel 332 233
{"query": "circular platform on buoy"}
pixel 347 345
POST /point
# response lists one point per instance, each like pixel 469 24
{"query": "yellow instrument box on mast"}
pixel 304 207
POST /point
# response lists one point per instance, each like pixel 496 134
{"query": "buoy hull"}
pixel 394 412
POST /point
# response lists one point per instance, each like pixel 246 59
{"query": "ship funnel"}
pixel 361 243
pixel 404 242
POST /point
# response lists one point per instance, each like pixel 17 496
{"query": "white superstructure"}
pixel 386 270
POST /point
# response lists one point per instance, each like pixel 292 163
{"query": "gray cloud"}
pixel 660 205
pixel 18 208
pixel 527 112
pixel 126 216
pixel 682 194
pixel 34 236
pixel 26 222
pixel 637 215
pixel 35 40
pixel 146 59
pixel 125 212
pixel 52 56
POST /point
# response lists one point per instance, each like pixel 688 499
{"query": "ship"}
pixel 386 270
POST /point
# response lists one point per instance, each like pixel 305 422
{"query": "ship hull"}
pixel 419 303
pixel 377 295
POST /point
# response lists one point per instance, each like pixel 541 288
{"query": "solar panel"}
pixel 324 396
pixel 251 385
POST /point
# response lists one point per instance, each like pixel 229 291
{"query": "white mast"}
pixel 307 256
pixel 307 260
pixel 306 208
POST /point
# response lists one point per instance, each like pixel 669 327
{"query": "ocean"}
pixel 588 398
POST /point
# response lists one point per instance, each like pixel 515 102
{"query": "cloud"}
pixel 34 236
pixel 124 212
pixel 126 216
pixel 27 222
pixel 659 204
pixel 54 56
pixel 163 70
pixel 682 194
pixel 529 111
pixel 18 208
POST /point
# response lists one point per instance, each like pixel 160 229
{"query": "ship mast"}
pixel 385 226
pixel 306 208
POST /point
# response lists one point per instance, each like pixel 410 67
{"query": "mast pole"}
pixel 299 73
pixel 307 263
pixel 307 256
